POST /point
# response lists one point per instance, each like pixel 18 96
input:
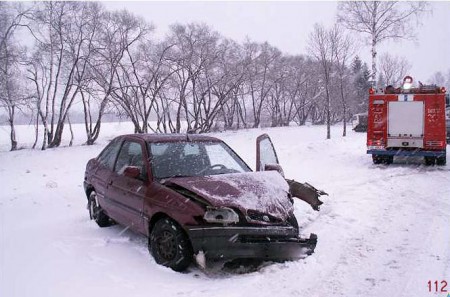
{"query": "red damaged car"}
pixel 193 196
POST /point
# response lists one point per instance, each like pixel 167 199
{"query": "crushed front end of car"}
pixel 249 216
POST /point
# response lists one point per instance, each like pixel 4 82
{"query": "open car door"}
pixel 266 156
pixel 266 159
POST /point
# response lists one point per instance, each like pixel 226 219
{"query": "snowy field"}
pixel 383 231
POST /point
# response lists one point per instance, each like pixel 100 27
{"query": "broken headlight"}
pixel 223 215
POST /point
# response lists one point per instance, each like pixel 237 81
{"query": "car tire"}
pixel 429 161
pixel 441 161
pixel 96 212
pixel 169 245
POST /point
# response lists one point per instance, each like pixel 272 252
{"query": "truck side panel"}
pixel 435 130
pixel 377 120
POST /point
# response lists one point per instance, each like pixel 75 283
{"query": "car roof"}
pixel 171 137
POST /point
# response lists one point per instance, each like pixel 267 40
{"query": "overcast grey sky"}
pixel 286 25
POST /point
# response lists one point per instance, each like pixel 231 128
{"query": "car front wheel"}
pixel 96 212
pixel 169 245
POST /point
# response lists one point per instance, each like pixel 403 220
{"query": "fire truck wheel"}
pixel 429 161
pixel 377 159
pixel 441 161
pixel 389 160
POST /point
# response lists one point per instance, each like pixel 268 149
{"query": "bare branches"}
pixel 12 92
pixel 321 46
pixel 392 70
pixel 381 20
pixel 192 80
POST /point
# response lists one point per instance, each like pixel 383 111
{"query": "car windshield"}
pixel 193 158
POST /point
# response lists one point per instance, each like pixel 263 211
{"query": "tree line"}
pixel 110 62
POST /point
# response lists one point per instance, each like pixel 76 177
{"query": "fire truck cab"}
pixel 407 121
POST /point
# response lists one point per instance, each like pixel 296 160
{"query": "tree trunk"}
pixel 344 131
pixel 328 119
pixel 178 119
pixel 71 131
pixel 13 134
pixel 57 138
pixel 328 115
pixel 92 138
pixel 374 61
pixel 344 106
pixel 44 141
pixel 36 131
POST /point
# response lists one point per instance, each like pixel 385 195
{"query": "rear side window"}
pixel 108 156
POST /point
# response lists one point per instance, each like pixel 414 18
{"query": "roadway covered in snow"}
pixel 383 231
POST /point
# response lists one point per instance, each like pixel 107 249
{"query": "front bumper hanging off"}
pixel 267 243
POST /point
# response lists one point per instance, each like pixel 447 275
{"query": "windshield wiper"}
pixel 173 176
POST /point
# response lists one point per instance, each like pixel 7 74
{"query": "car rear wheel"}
pixel 169 245
pixel 96 212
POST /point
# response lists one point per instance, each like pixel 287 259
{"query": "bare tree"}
pixel 261 75
pixel 321 48
pixel 447 81
pixel 220 80
pixel 109 63
pixel 232 67
pixel 343 49
pixel 309 82
pixel 59 51
pixel 286 100
pixel 438 78
pixel 113 35
pixel 153 79
pixel 194 51
pixel 393 69
pixel 12 92
pixel 381 20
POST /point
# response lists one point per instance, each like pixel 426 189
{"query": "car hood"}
pixel 263 192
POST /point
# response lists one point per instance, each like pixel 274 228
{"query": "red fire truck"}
pixel 407 121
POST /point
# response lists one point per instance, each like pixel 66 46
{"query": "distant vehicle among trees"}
pixel 359 122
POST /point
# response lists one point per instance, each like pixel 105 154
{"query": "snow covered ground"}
pixel 383 231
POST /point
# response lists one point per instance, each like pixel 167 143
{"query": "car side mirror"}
pixel 132 171
pixel 274 167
